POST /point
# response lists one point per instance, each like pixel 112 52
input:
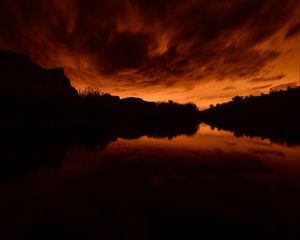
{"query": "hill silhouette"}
pixel 274 116
pixel 31 94
pixel 42 116
pixel 33 97
pixel 23 79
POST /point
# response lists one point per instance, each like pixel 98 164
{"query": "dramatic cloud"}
pixel 228 88
pixel 294 30
pixel 156 49
pixel 267 79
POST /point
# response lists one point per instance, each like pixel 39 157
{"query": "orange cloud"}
pixel 185 50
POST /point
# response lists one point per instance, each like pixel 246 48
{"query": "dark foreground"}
pixel 94 166
pixel 206 186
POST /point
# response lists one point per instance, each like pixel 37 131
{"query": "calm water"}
pixel 212 183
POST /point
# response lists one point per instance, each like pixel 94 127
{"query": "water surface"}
pixel 211 183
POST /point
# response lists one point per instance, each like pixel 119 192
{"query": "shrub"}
pixel 90 93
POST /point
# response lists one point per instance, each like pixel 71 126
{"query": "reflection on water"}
pixel 150 188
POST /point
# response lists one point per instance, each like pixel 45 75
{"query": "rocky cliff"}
pixel 20 77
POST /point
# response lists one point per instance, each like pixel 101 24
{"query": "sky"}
pixel 201 51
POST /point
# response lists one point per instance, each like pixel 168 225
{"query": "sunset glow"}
pixel 188 51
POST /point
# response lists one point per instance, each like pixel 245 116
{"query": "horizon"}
pixel 139 119
pixel 97 92
pixel 207 54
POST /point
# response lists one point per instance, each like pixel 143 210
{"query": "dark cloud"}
pixel 293 30
pixel 168 42
pixel 228 88
pixel 126 50
pixel 267 79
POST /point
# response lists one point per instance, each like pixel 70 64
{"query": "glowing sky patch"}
pixel 202 51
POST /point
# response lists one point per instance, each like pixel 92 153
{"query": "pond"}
pixel 189 187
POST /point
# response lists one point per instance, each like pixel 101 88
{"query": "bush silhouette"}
pixel 274 115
